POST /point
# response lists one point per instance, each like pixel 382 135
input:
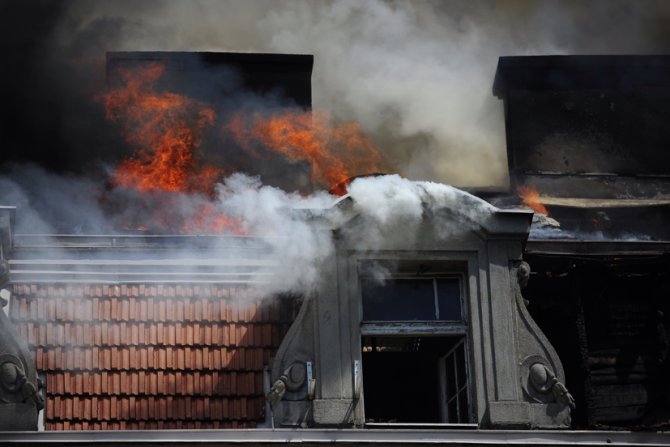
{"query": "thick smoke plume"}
pixel 416 75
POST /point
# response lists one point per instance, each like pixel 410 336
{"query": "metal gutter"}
pixel 335 436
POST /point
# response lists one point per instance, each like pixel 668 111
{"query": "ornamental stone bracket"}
pixel 20 400
pixel 545 401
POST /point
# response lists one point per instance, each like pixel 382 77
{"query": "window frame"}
pixel 425 328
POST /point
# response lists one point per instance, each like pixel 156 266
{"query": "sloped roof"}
pixel 150 356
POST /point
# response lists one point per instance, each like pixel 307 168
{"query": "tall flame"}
pixel 166 129
pixel 531 197
pixel 334 151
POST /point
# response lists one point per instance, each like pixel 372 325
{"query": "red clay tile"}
pixel 142 311
pixel 148 345
pixel 236 310
pixel 171 334
pixel 206 358
pixel 67 413
pixel 151 309
pixel 141 383
pixel 194 357
pixel 132 308
pixel 230 335
pixel 189 335
pixel 78 385
pixel 190 386
pixel 134 385
pixel 223 310
pixel 116 383
pixel 115 335
pixel 160 312
pixel 39 359
pixel 107 358
pixel 42 335
pixel 162 359
pixel 197 310
pixel 216 337
pixel 241 334
pixel 153 380
pixel 113 408
pixel 134 330
pixel 124 310
pixel 149 353
pixel 105 309
pixel 113 307
pixel 216 358
pixel 67 359
pixel 95 408
pixel 104 383
pixel 181 358
pixel 197 339
pixel 97 383
pixel 51 359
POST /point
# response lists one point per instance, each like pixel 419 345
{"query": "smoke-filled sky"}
pixel 416 75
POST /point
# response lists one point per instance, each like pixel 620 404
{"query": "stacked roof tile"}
pixel 150 356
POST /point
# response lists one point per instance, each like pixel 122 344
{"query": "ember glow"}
pixel 531 198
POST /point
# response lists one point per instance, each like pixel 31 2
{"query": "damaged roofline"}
pixel 597 247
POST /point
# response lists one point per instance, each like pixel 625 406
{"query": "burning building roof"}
pixel 586 138
pixel 145 329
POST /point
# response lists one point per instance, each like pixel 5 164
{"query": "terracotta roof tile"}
pixel 150 356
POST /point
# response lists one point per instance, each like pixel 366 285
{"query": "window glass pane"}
pixel 398 300
pixel 449 299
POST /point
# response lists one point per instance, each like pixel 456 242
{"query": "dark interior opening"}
pixel 608 320
pixel 403 381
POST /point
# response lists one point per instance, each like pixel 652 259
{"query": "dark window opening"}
pixel 415 379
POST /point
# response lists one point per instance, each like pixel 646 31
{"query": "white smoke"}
pixel 269 213
pixel 394 207
pixel 298 230
pixel 416 75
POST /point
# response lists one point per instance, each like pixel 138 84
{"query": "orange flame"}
pixel 531 197
pixel 166 129
pixel 334 151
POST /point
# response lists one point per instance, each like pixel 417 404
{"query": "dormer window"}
pixel 430 327
pixel 413 338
